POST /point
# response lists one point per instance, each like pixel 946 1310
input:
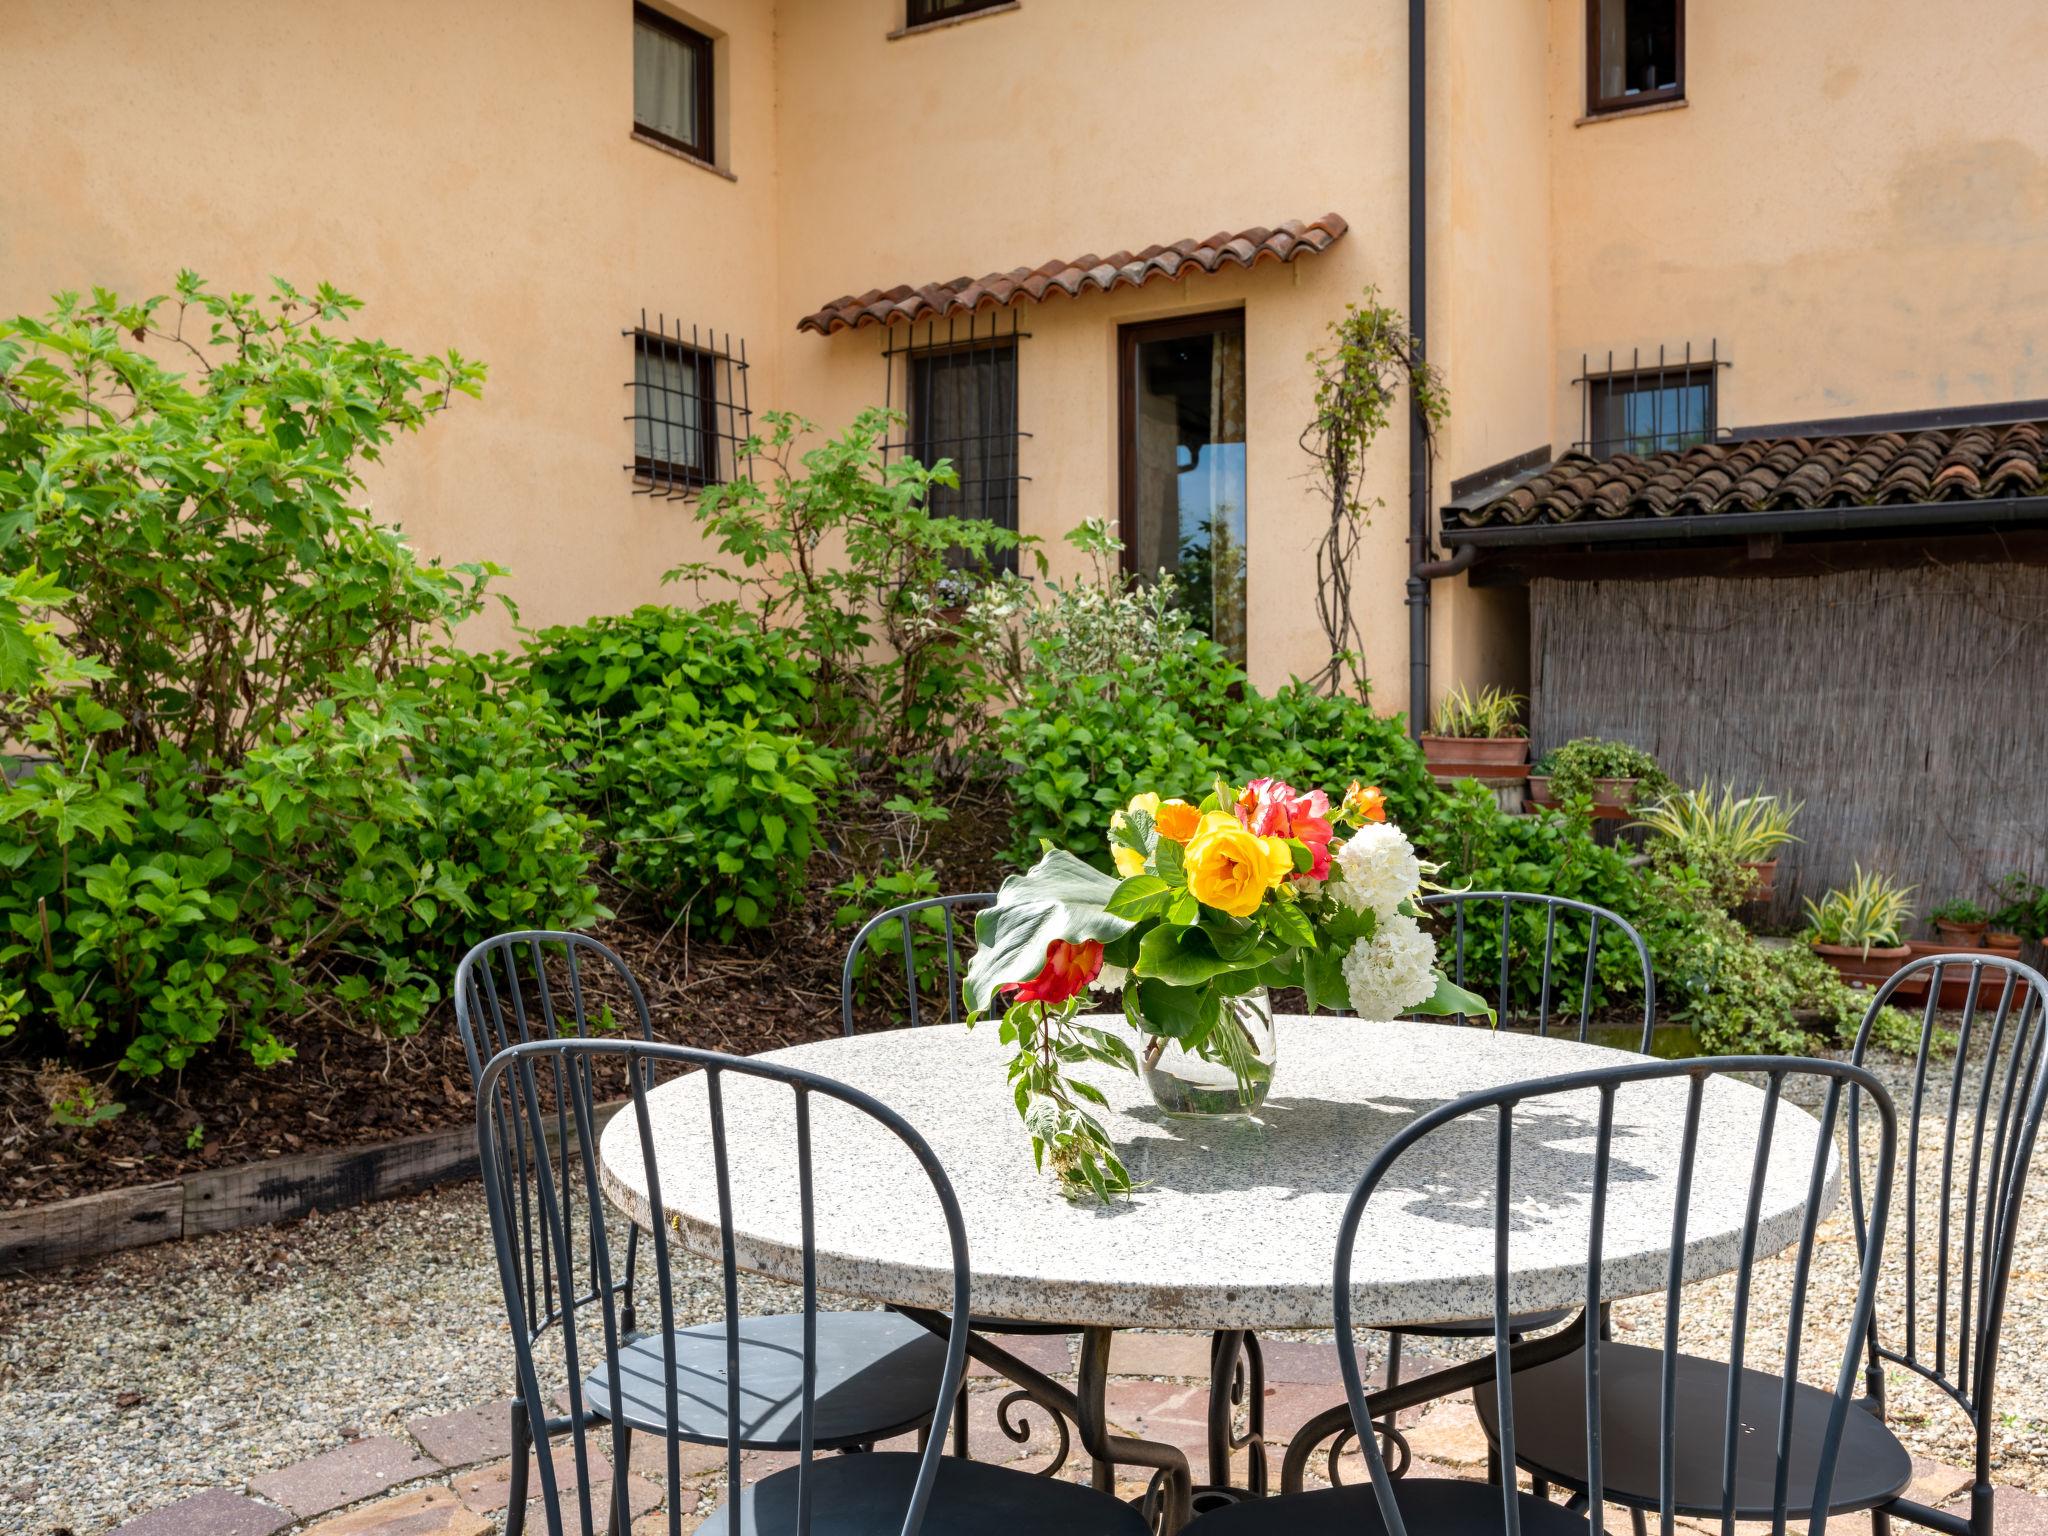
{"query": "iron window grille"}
pixel 918 13
pixel 1649 407
pixel 957 391
pixel 690 413
pixel 1635 54
pixel 672 84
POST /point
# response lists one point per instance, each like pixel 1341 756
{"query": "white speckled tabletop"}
pixel 1236 1224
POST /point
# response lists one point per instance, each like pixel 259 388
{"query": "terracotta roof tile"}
pixel 1778 474
pixel 1120 269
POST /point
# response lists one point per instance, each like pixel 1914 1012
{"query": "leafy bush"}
pixel 1573 768
pixel 878 615
pixel 1743 997
pixel 1329 740
pixel 714 819
pixel 711 663
pixel 254 797
pixel 1870 913
pixel 1490 714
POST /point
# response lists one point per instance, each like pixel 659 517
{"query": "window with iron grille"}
pixel 1670 404
pixel 690 414
pixel 672 82
pixel 1635 53
pixel 917 13
pixel 957 389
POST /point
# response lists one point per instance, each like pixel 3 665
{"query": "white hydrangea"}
pixel 1376 870
pixel 1392 971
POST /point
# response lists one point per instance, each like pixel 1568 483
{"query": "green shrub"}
pixel 715 820
pixel 1573 767
pixel 1325 741
pixel 713 663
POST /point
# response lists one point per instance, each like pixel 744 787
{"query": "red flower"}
pixel 1068 970
pixel 1273 809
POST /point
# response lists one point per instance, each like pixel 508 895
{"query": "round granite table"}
pixel 1235 1224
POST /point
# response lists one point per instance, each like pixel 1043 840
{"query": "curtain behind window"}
pixel 664 82
pixel 667 413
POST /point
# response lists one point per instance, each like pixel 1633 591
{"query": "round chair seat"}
pixel 1550 1436
pixel 1430 1506
pixel 869 1496
pixel 877 1375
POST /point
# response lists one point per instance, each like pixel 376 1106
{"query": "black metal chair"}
pixel 537 985
pixel 788 1390
pixel 1772 1450
pixel 1527 920
pixel 1968 1271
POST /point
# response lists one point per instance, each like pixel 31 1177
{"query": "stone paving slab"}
pixel 217 1512
pixel 467 1436
pixel 343 1475
pixel 430 1511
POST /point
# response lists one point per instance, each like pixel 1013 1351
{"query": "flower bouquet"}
pixel 1212 905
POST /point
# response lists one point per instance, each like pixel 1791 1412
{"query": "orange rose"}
pixel 1176 820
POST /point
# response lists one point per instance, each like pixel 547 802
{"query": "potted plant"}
pixel 1539 778
pixel 1858 930
pixel 1749 829
pixel 2023 914
pixel 1610 773
pixel 1477 735
pixel 1960 924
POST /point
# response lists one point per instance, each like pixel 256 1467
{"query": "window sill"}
pixel 944 22
pixel 681 154
pixel 1668 104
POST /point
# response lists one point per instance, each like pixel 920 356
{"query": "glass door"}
pixel 1181 451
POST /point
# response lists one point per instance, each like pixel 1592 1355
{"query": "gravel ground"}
pixel 189 1366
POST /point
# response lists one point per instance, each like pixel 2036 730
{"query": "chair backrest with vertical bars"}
pixel 512 1111
pixel 537 984
pixel 1553 938
pixel 1565 1097
pixel 1988 1101
pixel 925 932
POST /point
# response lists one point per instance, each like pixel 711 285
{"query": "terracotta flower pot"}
pixel 2007 944
pixel 1960 935
pixel 1490 758
pixel 1539 788
pixel 1765 887
pixel 1614 794
pixel 1955 979
pixel 1872 968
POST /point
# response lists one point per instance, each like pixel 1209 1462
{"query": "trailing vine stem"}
pixel 1358 375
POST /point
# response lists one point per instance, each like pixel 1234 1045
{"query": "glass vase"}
pixel 1230 1074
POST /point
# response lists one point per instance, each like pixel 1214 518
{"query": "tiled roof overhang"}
pixel 1083 274
pixel 1948 476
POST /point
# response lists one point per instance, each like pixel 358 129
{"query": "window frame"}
pixel 667 472
pixel 1129 338
pixel 929 13
pixel 1599 106
pixel 917 437
pixel 1637 381
pixel 707 107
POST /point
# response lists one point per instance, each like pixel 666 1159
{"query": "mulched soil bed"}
pixel 774 988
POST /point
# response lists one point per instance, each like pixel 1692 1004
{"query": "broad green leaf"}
pixel 1059 897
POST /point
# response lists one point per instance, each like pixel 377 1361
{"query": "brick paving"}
pixel 450 1473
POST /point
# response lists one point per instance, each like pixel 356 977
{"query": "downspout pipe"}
pixel 1420 566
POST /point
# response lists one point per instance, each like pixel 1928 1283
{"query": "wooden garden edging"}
pixel 226 1199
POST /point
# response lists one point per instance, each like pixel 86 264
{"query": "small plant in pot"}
pixel 1609 773
pixel 1477 735
pixel 2021 916
pixel 1960 924
pixel 1748 829
pixel 1859 929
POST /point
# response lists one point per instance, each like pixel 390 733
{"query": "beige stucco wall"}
pixel 1067 127
pixel 1854 201
pixel 466 167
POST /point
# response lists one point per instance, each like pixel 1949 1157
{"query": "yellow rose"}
pixel 1129 861
pixel 1232 869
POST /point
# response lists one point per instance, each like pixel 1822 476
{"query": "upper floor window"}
pixel 918 13
pixel 1670 404
pixel 1635 53
pixel 672 82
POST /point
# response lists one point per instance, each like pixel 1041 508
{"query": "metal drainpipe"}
pixel 1419 573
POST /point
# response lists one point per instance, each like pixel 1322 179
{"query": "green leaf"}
pixel 1450 998
pixel 1140 897
pixel 1184 957
pixel 1058 898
